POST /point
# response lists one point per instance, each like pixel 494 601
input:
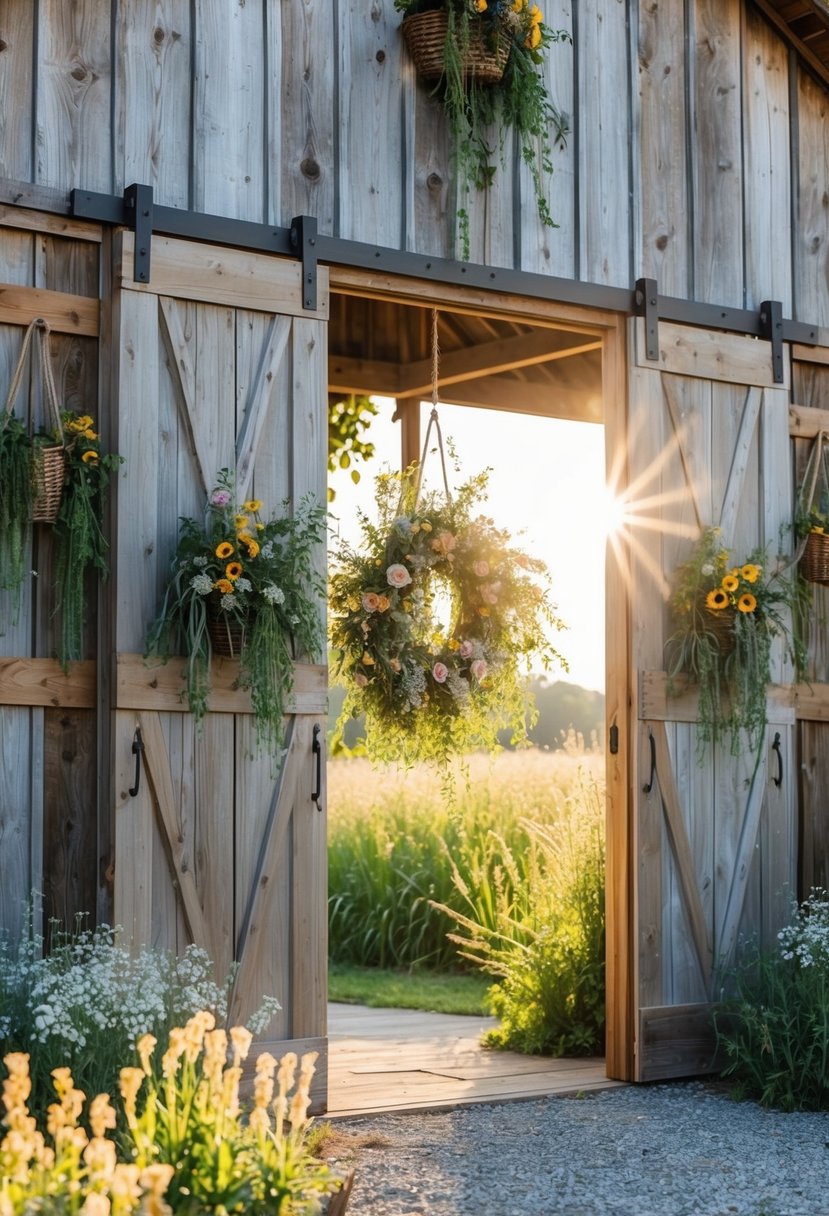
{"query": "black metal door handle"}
pixel 137 749
pixel 316 748
pixel 646 789
pixel 775 747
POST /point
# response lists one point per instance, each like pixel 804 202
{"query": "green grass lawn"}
pixel 431 992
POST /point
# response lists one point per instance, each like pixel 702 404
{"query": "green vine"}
pixel 16 497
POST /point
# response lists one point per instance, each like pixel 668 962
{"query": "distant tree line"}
pixel 563 709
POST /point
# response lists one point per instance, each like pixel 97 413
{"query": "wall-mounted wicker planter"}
pixel 814 563
pixel 425 35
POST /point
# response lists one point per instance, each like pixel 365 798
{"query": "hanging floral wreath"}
pixel 427 690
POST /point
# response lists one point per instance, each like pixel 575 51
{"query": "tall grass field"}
pixel 395 848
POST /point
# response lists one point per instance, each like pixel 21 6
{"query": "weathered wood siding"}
pixel 698 151
pixel 48 751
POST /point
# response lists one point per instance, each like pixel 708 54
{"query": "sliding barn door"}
pixel 714 842
pixel 217 366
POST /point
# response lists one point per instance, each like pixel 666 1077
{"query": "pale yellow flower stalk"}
pixel 101 1115
pixel 101 1157
pixel 124 1189
pixel 62 1078
pixel 285 1080
pixel 130 1081
pixel 95 1204
pixel 56 1118
pixel 259 1121
pixel 194 1033
pixel 145 1047
pixel 215 1058
pixel 176 1047
pixel 302 1098
pixel 263 1083
pixel 155 1179
pixel 241 1038
pixel 6 1208
pixel 230 1091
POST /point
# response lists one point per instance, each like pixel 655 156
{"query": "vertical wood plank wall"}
pixel 48 764
pixel 697 137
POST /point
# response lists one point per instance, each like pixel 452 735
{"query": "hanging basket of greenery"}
pixel 726 617
pixel 247 589
pixel 482 61
pixel 812 514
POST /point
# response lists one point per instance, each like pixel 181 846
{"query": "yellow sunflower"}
pixel 253 504
pixel 224 585
pixel 241 521
pixel 90 457
pixel 746 602
pixel 224 549
pixel 730 583
pixel 252 547
pixel 750 572
pixel 233 570
pixel 716 599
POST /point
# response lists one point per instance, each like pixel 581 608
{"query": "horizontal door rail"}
pixel 136 209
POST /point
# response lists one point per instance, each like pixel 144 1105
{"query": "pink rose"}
pixel 481 569
pixel 444 543
pixel 220 498
pixel 439 673
pixel 360 680
pixel 489 593
pixel 466 650
pixel 479 669
pixel 370 601
pixel 398 576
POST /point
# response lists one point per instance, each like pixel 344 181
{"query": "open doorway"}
pixel 528 401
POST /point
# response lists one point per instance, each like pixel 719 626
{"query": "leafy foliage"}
pixel 726 618
pixel 545 943
pixel 79 541
pixel 256 575
pixel 519 101
pixel 774 1029
pixel 429 693
pixel 348 420
pixel 16 496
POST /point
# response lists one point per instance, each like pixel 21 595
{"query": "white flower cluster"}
pixel 227 601
pixel 200 561
pixel 807 937
pixel 202 583
pixel 267 550
pixel 413 683
pixel 273 594
pixel 242 585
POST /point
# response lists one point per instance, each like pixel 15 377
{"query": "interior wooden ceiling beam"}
pixel 492 358
pixel 545 401
pixel 346 375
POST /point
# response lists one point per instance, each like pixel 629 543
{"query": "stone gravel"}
pixel 665 1150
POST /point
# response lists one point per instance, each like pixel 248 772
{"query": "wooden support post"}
pixel 408 415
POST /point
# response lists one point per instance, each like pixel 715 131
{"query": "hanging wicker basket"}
pixel 48 458
pixel 227 634
pixel 814 562
pixel 721 625
pixel 48 469
pixel 425 35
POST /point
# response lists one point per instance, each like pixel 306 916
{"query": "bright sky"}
pixel 546 487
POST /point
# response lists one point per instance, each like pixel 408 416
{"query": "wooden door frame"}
pixel 611 328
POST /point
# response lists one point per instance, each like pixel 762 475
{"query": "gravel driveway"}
pixel 665 1150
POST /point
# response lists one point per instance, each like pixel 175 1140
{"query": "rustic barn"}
pixel 223 211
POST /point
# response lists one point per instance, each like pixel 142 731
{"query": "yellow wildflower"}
pixel 253 548
pixel 90 457
pixel 233 570
pixel 244 536
pixel 716 599
pixel 480 6
pixel 253 504
pixel 750 572
pixel 730 582
pixel 746 602
pixel 426 526
pixel 224 585
pixel 241 521
pixel 224 549
pixel 367 660
pixel 534 37
pixel 90 434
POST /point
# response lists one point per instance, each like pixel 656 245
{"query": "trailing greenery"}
pixel 545 943
pixel 395 845
pixel 429 693
pixel 16 497
pixel 80 545
pixel 430 991
pixel 774 1030
pixel 726 617
pixel 519 101
pixel 256 576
